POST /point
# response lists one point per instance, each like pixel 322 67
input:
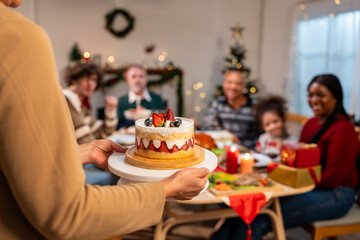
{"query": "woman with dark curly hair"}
pixel 332 198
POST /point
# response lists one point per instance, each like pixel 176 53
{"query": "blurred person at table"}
pixel 82 80
pixel 233 111
pixel 333 132
pixel 42 183
pixel 271 118
pixel 138 97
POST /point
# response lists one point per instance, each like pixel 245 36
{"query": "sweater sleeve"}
pixel 102 129
pixel 340 155
pixel 39 159
pixel 210 120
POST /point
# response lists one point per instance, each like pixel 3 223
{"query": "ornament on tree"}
pixel 234 60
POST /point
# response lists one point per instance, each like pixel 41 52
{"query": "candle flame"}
pixel 247 156
pixel 86 55
pixel 233 149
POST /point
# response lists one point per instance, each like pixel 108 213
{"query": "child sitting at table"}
pixel 271 117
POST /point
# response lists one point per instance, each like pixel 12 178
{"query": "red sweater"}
pixel 339 147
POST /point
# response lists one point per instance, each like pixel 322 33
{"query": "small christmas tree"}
pixel 75 54
pixel 235 57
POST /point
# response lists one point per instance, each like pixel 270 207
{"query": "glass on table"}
pixel 273 148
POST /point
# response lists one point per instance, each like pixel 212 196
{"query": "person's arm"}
pixel 40 161
pixel 211 118
pixel 103 129
pixel 340 155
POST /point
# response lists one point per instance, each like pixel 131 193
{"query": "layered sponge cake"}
pixel 164 142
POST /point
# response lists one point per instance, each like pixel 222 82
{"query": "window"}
pixel 326 44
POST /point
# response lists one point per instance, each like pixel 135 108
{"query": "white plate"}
pixel 138 114
pixel 128 139
pixel 120 167
pixel 262 160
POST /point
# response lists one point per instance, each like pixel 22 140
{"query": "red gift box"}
pixel 300 155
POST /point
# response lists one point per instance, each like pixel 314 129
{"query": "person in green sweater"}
pixel 137 96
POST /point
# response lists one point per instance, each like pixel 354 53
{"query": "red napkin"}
pixel 219 169
pixel 248 206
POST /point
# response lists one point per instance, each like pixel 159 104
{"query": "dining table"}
pixel 211 206
pixel 207 200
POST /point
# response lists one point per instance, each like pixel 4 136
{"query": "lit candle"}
pixel 232 159
pixel 246 164
pixel 86 56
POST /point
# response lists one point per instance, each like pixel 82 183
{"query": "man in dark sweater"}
pixel 138 95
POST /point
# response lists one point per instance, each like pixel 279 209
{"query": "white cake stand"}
pixel 133 174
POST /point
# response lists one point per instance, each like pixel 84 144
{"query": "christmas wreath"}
pixel 110 17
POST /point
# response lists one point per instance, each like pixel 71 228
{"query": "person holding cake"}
pixel 42 182
pixel 333 132
pixel 233 111
pixel 138 97
pixel 82 80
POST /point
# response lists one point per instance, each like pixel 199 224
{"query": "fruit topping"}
pixel 148 122
pixel 170 115
pixel 178 120
pixel 158 120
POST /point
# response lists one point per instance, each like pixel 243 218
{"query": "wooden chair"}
pixel 295 123
pixel 349 224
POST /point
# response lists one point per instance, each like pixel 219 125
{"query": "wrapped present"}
pixel 294 177
pixel 300 155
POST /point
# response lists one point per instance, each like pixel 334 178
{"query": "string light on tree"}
pixel 111 59
pixel 197 109
pixel 337 2
pixel 188 92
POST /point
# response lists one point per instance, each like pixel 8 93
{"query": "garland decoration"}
pixel 168 74
pixel 110 17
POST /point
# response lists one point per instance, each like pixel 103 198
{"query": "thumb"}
pixel 117 147
pixel 202 172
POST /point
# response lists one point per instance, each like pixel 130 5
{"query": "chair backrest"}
pixel 295 123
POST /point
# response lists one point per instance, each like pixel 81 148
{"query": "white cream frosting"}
pixel 169 144
pixel 146 143
pixel 156 143
pixel 178 143
pixel 186 125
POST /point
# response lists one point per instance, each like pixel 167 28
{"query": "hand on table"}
pixel 98 151
pixel 111 103
pixel 185 184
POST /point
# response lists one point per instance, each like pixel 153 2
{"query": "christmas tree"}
pixel 235 60
pixel 75 54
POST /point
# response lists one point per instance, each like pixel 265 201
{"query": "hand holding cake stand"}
pixel 131 174
pixel 162 148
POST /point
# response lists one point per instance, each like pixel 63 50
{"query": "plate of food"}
pixel 224 184
pixel 137 113
pixel 126 140
pixel 261 160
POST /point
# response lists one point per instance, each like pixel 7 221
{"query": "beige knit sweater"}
pixel 42 190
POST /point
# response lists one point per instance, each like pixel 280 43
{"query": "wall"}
pixel 276 37
pixel 196 35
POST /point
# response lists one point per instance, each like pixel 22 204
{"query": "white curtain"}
pixel 326 39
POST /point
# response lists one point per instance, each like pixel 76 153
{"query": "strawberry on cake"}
pixel 164 142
